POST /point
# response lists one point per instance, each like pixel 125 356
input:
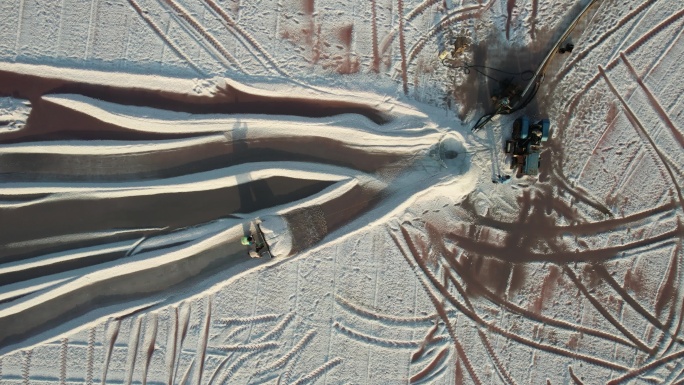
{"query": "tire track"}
pixel 440 310
pixel 665 53
pixel 26 367
pixel 63 347
pixel 133 341
pixel 680 318
pixel 219 367
pixel 20 17
pixel 203 340
pixel 184 379
pixel 402 46
pixel 575 98
pixel 417 11
pixel 111 334
pixel 605 275
pixel 533 18
pixel 171 342
pixel 420 8
pixel 452 17
pixel 648 35
pixel 500 369
pixel 676 133
pixel 375 340
pixel 185 15
pixel 495 300
pixel 618 47
pixel 237 364
pixel 641 218
pixel 570 65
pixel 492 327
pixel 368 314
pixel 427 341
pixel 163 36
pixel 235 331
pixel 90 359
pixel 604 134
pixel 574 378
pixel 430 368
pixel 471 312
pixel 627 178
pixel 91 27
pixel 277 331
pixel 295 350
pixel 642 131
pixel 563 256
pixel 678 380
pixel 375 67
pixel 182 330
pixel 321 370
pixel 149 344
pixel 580 194
pixel 247 347
pixel 646 368
pixel 247 320
pixel 246 36
pixel 601 309
pixel 510 5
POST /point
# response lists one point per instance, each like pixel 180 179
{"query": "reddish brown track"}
pixel 415 12
pixel 90 357
pixel 472 283
pixel 440 310
pixel 510 5
pixel 654 102
pixel 601 309
pixel 375 66
pixel 402 46
pixel 533 18
pixel 570 65
pixel 419 260
pixel 642 132
pixel 603 273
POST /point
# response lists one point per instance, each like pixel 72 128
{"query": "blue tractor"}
pixel 526 144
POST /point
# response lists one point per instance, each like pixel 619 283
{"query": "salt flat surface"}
pixel 140 139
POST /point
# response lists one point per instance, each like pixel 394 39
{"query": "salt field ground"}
pixel 141 139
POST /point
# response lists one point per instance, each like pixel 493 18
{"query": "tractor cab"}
pixel 526 144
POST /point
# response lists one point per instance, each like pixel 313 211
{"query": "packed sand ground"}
pixel 140 139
